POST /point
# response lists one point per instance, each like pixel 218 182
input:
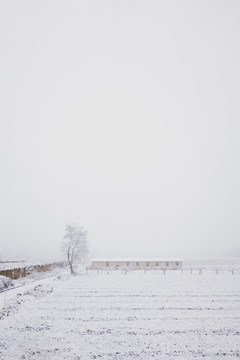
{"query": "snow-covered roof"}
pixel 134 259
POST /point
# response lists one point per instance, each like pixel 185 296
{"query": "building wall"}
pixel 108 264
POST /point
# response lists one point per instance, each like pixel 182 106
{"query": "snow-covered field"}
pixel 125 316
pixel 8 265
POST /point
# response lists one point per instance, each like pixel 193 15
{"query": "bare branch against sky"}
pixel 122 116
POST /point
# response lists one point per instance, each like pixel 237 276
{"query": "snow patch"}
pixel 23 299
pixel 5 283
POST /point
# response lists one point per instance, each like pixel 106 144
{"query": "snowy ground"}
pixel 132 316
pixel 8 265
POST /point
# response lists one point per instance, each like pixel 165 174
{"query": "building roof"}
pixel 133 259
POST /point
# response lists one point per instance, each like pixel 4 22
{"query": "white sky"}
pixel 122 116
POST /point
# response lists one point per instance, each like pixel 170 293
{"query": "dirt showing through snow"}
pixel 126 316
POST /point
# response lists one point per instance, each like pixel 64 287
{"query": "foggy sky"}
pixel 122 116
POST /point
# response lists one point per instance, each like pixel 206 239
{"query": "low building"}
pixel 130 263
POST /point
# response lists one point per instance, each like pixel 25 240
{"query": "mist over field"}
pixel 124 118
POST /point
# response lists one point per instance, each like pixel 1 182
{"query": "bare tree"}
pixel 75 245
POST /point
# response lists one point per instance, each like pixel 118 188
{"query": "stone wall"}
pixel 24 271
